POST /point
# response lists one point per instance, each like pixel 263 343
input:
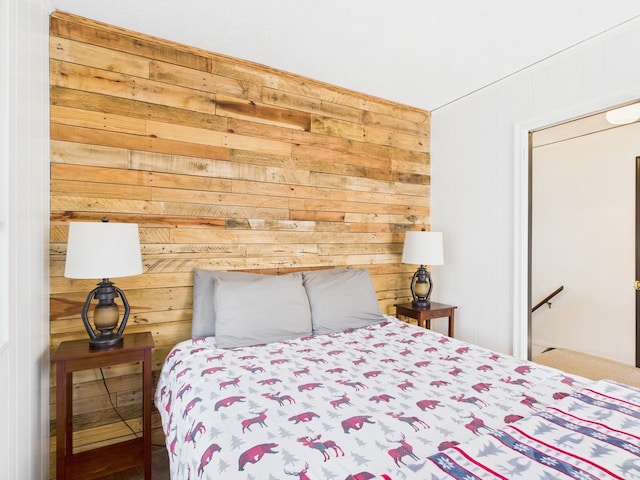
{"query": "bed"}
pixel 301 376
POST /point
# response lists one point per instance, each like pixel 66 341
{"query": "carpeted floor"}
pixel 589 366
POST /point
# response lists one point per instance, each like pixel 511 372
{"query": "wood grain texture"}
pixel 224 164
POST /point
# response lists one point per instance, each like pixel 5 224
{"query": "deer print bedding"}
pixel 372 402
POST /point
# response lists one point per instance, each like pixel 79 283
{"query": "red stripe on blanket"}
pixel 613 399
pixel 601 425
pixel 473 460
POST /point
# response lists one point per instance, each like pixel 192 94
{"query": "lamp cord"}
pixel 104 382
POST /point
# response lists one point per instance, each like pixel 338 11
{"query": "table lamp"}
pixel 422 248
pixel 104 250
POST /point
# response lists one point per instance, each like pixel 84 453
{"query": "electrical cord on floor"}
pixel 104 382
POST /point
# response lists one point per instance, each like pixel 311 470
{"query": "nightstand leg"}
pixel 146 413
pixel 64 419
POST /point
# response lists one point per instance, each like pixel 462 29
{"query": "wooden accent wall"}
pixel 225 165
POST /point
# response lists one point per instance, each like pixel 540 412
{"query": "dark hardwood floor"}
pixel 159 467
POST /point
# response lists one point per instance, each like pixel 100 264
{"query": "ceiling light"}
pixel 624 115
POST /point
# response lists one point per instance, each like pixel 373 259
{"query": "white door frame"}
pixel 521 345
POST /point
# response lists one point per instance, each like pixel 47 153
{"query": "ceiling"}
pixel 423 53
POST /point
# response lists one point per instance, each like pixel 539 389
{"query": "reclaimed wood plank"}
pixel 198 80
pixel 260 113
pixel 97 120
pixel 208 137
pixel 67 50
pixel 117 39
pixel 100 190
pixel 64 172
pixel 94 80
pixel 88 155
pixel 135 108
pixel 135 142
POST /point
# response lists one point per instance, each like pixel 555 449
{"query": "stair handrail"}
pixel 548 298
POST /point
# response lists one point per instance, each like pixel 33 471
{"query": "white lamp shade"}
pixel 103 250
pixel 423 248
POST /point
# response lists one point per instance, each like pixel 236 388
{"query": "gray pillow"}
pixel 341 300
pixel 204 313
pixel 260 310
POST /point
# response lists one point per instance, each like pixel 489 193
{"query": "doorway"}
pixel 583 238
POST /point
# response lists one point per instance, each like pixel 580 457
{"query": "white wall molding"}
pixel 4 174
pixel 24 233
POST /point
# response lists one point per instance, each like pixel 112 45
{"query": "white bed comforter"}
pixel 355 405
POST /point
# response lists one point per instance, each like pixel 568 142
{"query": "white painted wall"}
pixel 479 171
pixel 583 237
pixel 24 235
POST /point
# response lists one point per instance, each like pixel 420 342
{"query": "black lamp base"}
pixel 424 304
pixel 106 292
pixel 105 340
pixel 421 286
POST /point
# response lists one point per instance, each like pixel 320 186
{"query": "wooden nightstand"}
pixel 424 315
pixel 76 355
